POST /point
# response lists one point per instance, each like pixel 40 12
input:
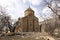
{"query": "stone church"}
pixel 29 23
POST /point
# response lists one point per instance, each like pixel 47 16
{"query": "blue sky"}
pixel 16 8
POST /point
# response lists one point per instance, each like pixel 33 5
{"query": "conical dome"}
pixel 29 11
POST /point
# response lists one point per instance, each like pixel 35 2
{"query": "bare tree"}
pixel 55 11
pixel 5 20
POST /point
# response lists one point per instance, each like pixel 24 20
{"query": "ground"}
pixel 27 36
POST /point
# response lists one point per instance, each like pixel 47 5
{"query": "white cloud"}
pixel 46 10
pixel 35 2
pixel 47 13
pixel 14 8
pixel 24 1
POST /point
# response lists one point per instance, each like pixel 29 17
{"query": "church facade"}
pixel 29 23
